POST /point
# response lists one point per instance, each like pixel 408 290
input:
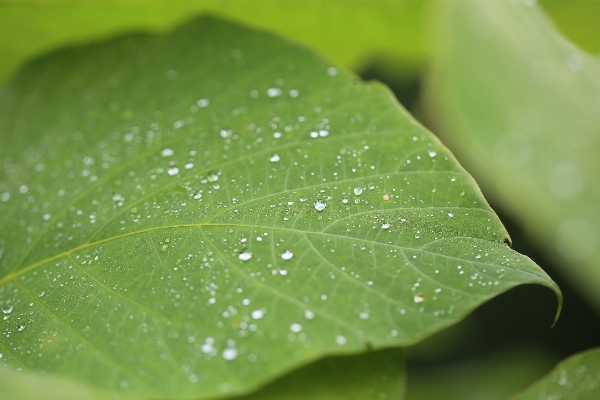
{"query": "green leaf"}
pixel 577 378
pixel 374 375
pixel 520 105
pixel 349 33
pixel 193 215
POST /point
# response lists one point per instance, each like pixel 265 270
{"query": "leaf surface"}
pixel 193 215
pixel 577 378
pixel 520 105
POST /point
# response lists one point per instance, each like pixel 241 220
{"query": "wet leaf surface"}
pixel 197 214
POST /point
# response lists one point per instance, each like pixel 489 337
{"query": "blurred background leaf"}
pixel 349 33
pixel 520 106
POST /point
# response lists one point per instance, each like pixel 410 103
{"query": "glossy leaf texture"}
pixel 520 105
pixel 577 378
pixel 196 214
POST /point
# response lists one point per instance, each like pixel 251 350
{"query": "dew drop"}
pixel 203 103
pixel 385 197
pixel 371 186
pixel 230 353
pixel 296 327
pixel 319 205
pixel 309 314
pixel 419 298
pixel 450 214
pixel 345 200
pixel 303 199
pixel 274 158
pixel 274 92
pixel 257 314
pixel 245 255
pixel 7 309
pixel 213 177
pixel 432 153
pixel 340 340
pixel 358 191
pixel 166 152
pixel 385 225
pixel 173 171
pixel 21 327
pixel 287 255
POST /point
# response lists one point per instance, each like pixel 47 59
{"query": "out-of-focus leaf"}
pixel 489 377
pixel 371 376
pixel 194 215
pixel 520 105
pixel 577 378
pixel 578 20
pixel 350 33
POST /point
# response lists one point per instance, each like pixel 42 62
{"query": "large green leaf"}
pixel 196 214
pixel 577 378
pixel 350 33
pixel 521 106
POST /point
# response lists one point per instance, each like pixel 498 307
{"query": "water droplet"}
pixel 245 255
pixel 257 314
pixel 345 200
pixel 309 314
pixel 358 191
pixel 320 205
pixel 331 71
pixel 296 327
pixel 450 215
pixel 385 225
pixel 7 309
pixel 274 92
pixel 166 152
pixel 212 177
pixel 323 133
pixel 340 340
pixel 274 158
pixel 287 255
pixel 303 199
pixel 385 197
pixel 203 103
pixel 419 298
pixel 173 171
pixel 432 153
pixel 21 327
pixel 438 290
pixel 294 93
pixel 246 302
pixel 371 186
pixel 230 353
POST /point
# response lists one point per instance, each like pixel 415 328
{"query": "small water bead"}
pixel 21 328
pixel 203 103
pixel 438 290
pixel 314 135
pixel 371 186
pixel 450 214
pixel 277 135
pixel 274 92
pixel 259 238
pixel 319 205
pixel 432 153
pixel 245 255
pixel 287 255
pixel 385 225
pixel 230 353
pixel 419 298
pixel 385 197
pixel 173 171
pixel 345 200
pixel 246 302
pixel 294 93
pixel 166 152
pixel 296 327
pixel 274 158
pixel 309 314
pixel 341 340
pixel 257 314
pixel 323 133
pixel 212 177
pixel 7 309
pixel 331 71
pixel 358 191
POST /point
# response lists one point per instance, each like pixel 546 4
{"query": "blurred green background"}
pixel 511 86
